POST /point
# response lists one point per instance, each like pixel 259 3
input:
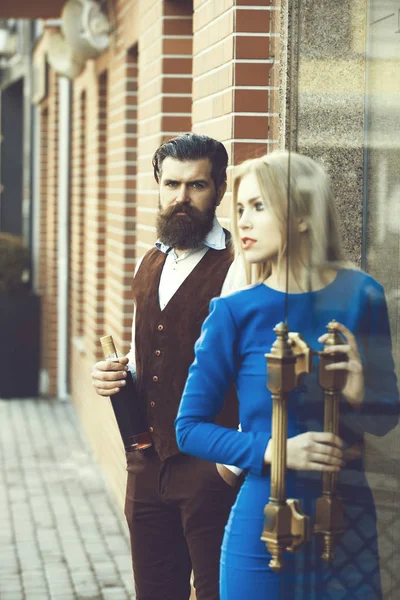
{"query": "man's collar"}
pixel 214 239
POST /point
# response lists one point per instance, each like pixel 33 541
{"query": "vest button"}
pixel 155 378
pixel 160 327
pixel 152 404
pixel 151 429
pixel 157 352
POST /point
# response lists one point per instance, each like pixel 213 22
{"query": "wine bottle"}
pixel 128 412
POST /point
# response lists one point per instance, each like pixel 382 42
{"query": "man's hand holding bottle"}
pixel 109 376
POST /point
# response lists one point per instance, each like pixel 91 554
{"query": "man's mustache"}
pixel 188 210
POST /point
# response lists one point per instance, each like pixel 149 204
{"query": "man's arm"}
pixel 132 354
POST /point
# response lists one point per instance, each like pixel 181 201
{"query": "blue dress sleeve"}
pixel 379 412
pixel 210 376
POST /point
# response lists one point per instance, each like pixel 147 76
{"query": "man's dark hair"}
pixel 191 146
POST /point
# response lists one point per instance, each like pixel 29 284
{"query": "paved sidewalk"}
pixel 61 535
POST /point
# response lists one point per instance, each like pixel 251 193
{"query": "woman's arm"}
pixel 210 376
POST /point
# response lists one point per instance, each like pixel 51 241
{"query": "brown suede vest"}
pixel 164 340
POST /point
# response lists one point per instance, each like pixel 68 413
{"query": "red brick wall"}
pixel 121 198
pixel 165 97
pixel 44 133
pixel 48 235
pixel 233 79
pixel 77 217
pixel 98 156
pixel 95 214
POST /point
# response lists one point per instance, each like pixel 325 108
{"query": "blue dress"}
pixel 235 337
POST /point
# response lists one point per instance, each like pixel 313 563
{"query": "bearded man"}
pixel 176 505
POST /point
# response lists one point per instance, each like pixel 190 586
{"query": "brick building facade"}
pixel 172 66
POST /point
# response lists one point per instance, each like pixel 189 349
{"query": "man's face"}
pixel 188 200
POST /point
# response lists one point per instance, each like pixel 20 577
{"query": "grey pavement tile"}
pixel 123 562
pixel 114 593
pixel 24 536
pixel 10 579
pixel 65 537
pixel 27 565
pixel 29 549
pixel 12 594
pixel 117 545
pixel 104 565
pixel 70 536
pixel 9 569
pixel 57 569
pixel 110 528
pixel 10 583
pixel 9 565
pixel 57 582
pixel 36 592
pixel 130 587
pixel 37 588
pixel 48 537
pixel 50 557
pixel 127 579
pixel 94 545
pixel 6 540
pixel 59 592
pixel 8 558
pixel 88 592
pixel 91 535
pixel 96 554
pixel 79 564
pixel 87 524
pixel 75 555
pixel 64 526
pixel 82 579
pixel 108 579
pixel 34 581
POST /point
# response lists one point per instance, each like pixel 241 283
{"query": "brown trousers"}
pixel 176 511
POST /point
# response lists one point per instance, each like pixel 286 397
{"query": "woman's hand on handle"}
pixel 312 451
pixel 354 388
pixel 109 376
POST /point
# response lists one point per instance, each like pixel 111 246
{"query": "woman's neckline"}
pixel 322 289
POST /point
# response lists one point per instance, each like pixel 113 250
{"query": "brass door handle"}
pixel 286 528
pixel 329 520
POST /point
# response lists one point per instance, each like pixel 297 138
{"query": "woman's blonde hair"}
pixel 311 200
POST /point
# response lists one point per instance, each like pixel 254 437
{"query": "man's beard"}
pixel 184 231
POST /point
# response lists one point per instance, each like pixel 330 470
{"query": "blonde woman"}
pixel 234 339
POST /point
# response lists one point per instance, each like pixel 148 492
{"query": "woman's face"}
pixel 258 225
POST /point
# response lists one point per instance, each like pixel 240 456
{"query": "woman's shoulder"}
pixel 240 296
pixel 358 283
pixel 239 303
pixel 361 279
